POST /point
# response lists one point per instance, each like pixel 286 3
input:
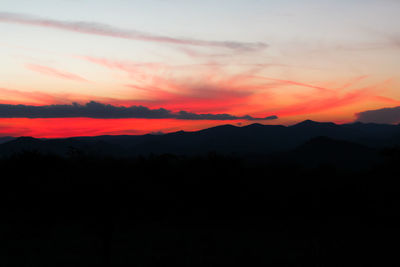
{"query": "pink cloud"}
pixel 55 73
pixel 12 96
pixel 36 98
pixel 336 98
pixel 324 103
pixel 216 91
pixel 211 90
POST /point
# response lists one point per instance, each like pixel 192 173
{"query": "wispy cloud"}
pixel 289 82
pixel 218 91
pixel 106 111
pixel 210 90
pixel 111 31
pixel 325 102
pixel 330 99
pixel 12 96
pixel 55 73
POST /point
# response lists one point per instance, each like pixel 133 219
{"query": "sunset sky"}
pixel 192 61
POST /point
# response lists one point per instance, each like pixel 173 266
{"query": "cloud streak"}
pixel 384 115
pixel 12 96
pixel 54 72
pixel 105 111
pixel 95 28
pixel 211 90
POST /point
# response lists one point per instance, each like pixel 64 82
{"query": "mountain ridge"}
pixel 225 139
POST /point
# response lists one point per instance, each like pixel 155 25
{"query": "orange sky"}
pixel 297 60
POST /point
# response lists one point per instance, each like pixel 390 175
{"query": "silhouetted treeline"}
pixel 197 211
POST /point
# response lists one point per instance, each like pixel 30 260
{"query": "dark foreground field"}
pixel 196 211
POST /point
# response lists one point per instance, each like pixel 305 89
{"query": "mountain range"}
pixel 300 141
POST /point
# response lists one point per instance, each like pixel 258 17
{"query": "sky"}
pixel 93 67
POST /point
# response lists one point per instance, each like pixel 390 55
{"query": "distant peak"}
pixel 224 126
pixel 308 122
pixel 255 125
pixel 313 123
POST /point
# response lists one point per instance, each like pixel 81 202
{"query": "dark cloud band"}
pixel 104 111
pixel 384 115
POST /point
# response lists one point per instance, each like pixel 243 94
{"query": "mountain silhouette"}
pixel 311 194
pixel 253 139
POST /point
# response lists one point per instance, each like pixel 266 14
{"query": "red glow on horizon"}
pixel 70 127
